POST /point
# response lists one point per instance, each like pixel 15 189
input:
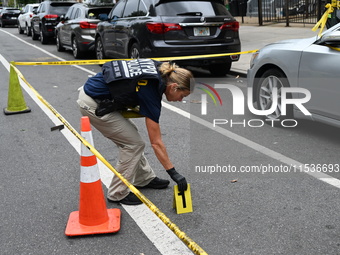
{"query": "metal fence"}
pixel 280 11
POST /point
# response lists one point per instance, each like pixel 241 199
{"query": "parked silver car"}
pixel 310 64
pixel 24 19
pixel 76 30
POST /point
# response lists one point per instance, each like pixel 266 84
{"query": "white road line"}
pixel 45 51
pixel 162 237
pixel 257 147
pixel 156 231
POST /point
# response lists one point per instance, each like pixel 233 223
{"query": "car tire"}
pixel 20 30
pixel 99 48
pixel 134 51
pixel 75 49
pixel 220 69
pixel 33 34
pixel 28 30
pixel 43 37
pixel 264 94
pixel 58 43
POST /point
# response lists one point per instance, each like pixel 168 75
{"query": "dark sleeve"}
pixel 150 101
pixel 96 87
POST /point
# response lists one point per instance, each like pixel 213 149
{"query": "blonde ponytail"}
pixel 175 74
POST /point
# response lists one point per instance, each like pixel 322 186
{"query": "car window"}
pixel 77 14
pixel 42 8
pixel 68 14
pixel 59 8
pixel 13 11
pixel 94 13
pixel 142 9
pixel 207 8
pixel 118 9
pixel 131 8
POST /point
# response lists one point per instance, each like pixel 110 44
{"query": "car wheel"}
pixel 43 38
pixel 134 51
pixel 28 30
pixel 75 48
pixel 220 69
pixel 58 43
pixel 33 34
pixel 272 78
pixel 100 53
pixel 20 30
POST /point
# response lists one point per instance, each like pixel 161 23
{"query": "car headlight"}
pixel 253 58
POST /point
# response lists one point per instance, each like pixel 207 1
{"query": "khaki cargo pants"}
pixel 132 163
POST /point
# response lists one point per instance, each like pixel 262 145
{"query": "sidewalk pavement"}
pixel 254 37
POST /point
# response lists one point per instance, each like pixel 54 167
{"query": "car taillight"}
pixel 85 25
pixel 161 28
pixel 234 26
pixel 51 16
pixel 31 15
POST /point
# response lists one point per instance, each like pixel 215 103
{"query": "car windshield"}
pixel 12 11
pixel 206 8
pixel 59 9
pixel 94 13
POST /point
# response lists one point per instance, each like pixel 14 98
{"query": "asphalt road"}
pixel 256 202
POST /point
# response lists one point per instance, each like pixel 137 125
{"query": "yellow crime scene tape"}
pixel 334 48
pixel 322 22
pixel 93 62
pixel 129 114
pixel 180 234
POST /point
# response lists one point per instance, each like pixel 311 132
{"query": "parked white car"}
pixel 24 19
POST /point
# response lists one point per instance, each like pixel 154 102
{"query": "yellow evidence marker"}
pixel 182 200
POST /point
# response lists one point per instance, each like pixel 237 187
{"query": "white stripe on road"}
pixel 154 229
pixel 162 237
pixel 257 147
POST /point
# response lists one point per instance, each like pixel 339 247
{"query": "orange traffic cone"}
pixel 92 217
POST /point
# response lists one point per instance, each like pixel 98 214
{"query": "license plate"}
pixel 201 31
pixel 13 18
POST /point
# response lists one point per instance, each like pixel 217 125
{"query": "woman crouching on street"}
pixel 137 83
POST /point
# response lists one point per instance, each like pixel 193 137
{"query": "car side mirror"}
pixel 62 18
pixel 103 17
pixel 332 38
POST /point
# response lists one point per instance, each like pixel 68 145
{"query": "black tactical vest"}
pixel 122 77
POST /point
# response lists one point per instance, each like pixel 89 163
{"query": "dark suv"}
pixel 165 28
pixel 45 19
pixel 77 29
pixel 9 16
